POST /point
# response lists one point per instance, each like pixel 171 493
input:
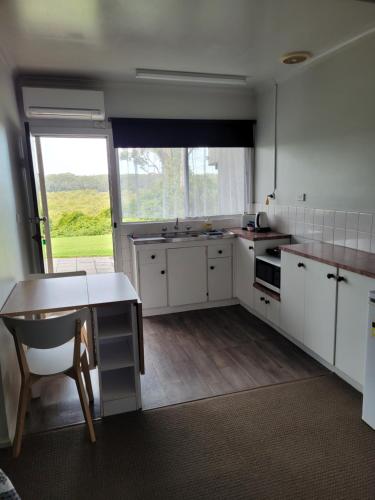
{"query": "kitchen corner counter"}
pixel 355 261
pixel 252 236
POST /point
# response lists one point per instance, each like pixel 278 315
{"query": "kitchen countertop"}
pixel 356 261
pixel 252 236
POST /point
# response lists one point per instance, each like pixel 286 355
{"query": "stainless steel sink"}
pixel 180 236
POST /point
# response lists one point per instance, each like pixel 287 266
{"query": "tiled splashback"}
pixel 351 229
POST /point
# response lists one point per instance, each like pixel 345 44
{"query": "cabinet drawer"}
pixel 152 257
pixel 215 251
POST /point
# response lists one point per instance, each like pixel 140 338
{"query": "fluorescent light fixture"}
pixel 190 77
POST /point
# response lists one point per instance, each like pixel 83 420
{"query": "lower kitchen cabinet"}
pixel 244 271
pixel 292 292
pixel 267 307
pixel 320 309
pixel 220 278
pixel 351 327
pixel 187 275
pixel 153 285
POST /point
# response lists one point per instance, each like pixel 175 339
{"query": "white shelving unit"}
pixel 118 331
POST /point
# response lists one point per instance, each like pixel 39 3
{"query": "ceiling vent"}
pixel 63 104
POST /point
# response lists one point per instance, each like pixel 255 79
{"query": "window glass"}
pixel 165 183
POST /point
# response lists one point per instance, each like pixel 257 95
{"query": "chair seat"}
pixel 51 361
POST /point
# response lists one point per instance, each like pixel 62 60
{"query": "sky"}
pixel 80 156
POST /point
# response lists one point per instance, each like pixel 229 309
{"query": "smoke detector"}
pixel 295 57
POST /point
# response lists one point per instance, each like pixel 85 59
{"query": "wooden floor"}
pixel 190 355
pixel 59 405
pixel 204 353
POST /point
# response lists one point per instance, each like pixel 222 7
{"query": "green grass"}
pixel 82 246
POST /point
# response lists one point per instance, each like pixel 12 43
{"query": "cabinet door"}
pixel 244 277
pixel 259 302
pixel 187 275
pixel 153 285
pixel 273 310
pixel 292 293
pixel 351 329
pixel 320 308
pixel 220 279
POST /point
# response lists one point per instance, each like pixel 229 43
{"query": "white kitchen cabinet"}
pixel 351 327
pixel 244 275
pixel 259 303
pixel 267 307
pixel 153 285
pixel 220 278
pixel 320 308
pixel 292 292
pixel 187 275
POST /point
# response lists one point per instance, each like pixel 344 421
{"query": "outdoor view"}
pixel 165 183
pixel 78 203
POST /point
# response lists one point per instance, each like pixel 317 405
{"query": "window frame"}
pixel 248 191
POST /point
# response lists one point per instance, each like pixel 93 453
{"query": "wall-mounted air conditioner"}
pixel 65 104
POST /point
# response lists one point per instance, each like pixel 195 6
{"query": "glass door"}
pixel 74 203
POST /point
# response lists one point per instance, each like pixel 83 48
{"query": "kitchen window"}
pixel 164 183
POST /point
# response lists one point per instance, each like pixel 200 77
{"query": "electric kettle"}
pixel 261 222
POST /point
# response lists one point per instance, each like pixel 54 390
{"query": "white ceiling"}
pixel 110 38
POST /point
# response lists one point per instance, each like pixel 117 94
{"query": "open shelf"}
pixel 111 327
pixel 116 353
pixel 118 384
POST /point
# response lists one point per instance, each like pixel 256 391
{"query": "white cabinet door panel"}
pixel 320 306
pixel 187 275
pixel 273 310
pixel 352 317
pixel 244 276
pixel 153 285
pixel 260 302
pixel 220 279
pixel 292 308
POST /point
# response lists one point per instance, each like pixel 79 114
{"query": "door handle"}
pixel 162 272
pixel 212 267
pixel 341 278
pixel 301 264
pixel 251 248
pixel 262 299
pixel 37 220
pixel 331 276
pixel 267 301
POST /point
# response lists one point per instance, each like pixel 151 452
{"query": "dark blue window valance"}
pixel 148 133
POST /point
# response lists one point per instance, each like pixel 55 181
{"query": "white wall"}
pixel 13 260
pixel 326 134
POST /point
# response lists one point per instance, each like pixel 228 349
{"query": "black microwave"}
pixel 267 271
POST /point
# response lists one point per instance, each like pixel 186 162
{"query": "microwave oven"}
pixel 267 271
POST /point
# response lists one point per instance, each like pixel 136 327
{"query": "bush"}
pixel 77 223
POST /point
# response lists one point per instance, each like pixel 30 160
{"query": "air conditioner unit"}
pixel 65 104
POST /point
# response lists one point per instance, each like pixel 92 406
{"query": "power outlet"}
pixel 301 197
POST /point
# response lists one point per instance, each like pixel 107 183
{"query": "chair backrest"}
pixel 46 333
pixel 45 276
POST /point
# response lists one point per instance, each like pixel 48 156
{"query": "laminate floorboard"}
pixel 204 353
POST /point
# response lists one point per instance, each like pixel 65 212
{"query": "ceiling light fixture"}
pixel 295 57
pixel 189 77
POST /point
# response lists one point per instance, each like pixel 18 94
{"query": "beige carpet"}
pixel 299 440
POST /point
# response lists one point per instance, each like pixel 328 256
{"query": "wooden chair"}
pixel 50 353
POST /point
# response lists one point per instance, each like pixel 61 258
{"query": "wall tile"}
pixel 292 213
pixel 309 216
pixel 372 243
pixel 300 228
pixel 340 220
pixel 364 241
pixel 309 231
pixel 300 217
pixel 351 238
pixel 339 236
pixel 328 236
pixel 352 219
pixel 292 227
pixel 318 217
pixel 365 223
pixel 329 218
pixel 318 232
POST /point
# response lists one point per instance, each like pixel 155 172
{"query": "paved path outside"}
pixel 92 265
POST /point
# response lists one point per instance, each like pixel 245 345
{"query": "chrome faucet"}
pixel 176 224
